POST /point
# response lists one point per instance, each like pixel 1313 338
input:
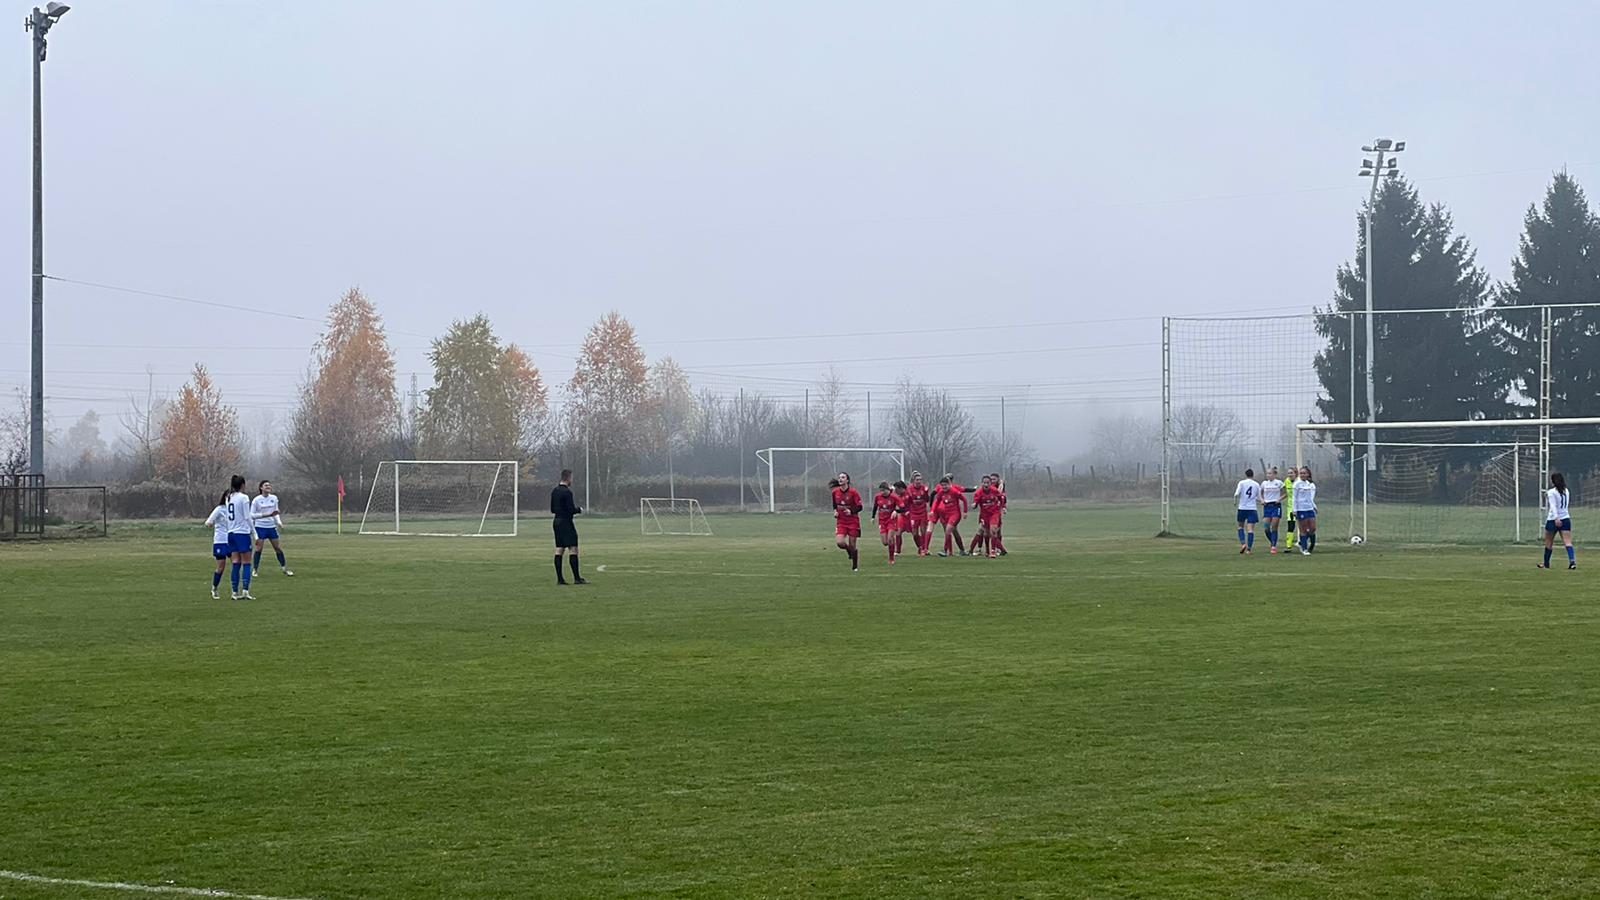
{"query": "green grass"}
pixel 1099 714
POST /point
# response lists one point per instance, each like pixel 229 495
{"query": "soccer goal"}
pixel 1474 482
pixel 443 498
pixel 797 477
pixel 671 515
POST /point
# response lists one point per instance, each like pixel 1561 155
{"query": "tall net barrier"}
pixel 795 479
pixel 1235 391
pixel 443 498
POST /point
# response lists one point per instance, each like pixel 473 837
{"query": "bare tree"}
pixel 1204 435
pixel 1128 438
pixel 936 430
pixel 14 436
pixel 141 431
pixel 1005 452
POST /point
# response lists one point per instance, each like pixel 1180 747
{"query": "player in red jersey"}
pixel 987 500
pixel 847 518
pixel 902 521
pixel 918 498
pixel 998 542
pixel 884 509
pixel 949 505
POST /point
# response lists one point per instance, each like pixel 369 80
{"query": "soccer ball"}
pixel 1357 540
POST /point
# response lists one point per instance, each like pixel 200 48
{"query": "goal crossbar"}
pixel 765 456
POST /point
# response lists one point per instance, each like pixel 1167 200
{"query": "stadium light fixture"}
pixel 38 24
pixel 1385 166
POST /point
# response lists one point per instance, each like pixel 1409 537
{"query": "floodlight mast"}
pixel 38 22
pixel 1376 171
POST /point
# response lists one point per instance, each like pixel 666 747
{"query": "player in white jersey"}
pixel 264 510
pixel 239 533
pixel 1305 510
pixel 1248 493
pixel 1272 506
pixel 1558 517
pixel 218 520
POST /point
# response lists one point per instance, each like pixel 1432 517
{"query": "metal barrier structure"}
pixel 31 509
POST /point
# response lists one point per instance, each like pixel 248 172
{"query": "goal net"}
pixel 443 498
pixel 671 515
pixel 795 479
pixel 1476 482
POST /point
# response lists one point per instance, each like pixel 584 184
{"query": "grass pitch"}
pixel 1099 714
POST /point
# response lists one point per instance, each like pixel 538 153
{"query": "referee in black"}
pixel 562 509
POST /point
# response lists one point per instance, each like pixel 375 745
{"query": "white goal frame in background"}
pixel 898 454
pixel 1304 432
pixel 684 516
pixel 504 469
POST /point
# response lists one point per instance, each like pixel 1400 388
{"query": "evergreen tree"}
pixel 1428 365
pixel 1557 262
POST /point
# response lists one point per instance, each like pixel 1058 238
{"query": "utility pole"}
pixel 411 414
pixel 1005 442
pixel 39 23
pixel 1377 171
pixel 741 450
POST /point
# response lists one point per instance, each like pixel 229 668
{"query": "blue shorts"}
pixel 219 551
pixel 1272 511
pixel 1552 526
pixel 1247 515
pixel 1306 514
pixel 238 543
pixel 266 534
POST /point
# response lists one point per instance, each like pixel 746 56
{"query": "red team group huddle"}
pixel 914 509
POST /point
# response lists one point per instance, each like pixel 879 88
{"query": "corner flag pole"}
pixel 341 506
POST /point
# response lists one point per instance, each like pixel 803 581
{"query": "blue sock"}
pixel 1272 537
pixel 1241 537
pixel 1547 552
pixel 1313 540
pixel 216 579
pixel 281 563
pixel 257 561
pixel 1250 539
pixel 1572 555
pixel 1302 540
pixel 236 578
pixel 246 576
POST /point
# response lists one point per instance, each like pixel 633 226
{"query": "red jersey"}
pixel 917 499
pixel 902 504
pixel 988 499
pixel 949 498
pixel 846 503
pixel 884 506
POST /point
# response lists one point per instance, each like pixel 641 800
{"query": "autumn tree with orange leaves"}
pixel 199 445
pixel 349 410
pixel 488 400
pixel 608 403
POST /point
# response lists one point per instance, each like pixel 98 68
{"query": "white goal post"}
pixel 672 515
pixel 443 498
pixel 896 457
pixel 1446 485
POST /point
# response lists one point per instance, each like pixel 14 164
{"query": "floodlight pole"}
pixel 38 22
pixel 1377 171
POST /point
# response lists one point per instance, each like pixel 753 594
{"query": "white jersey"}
pixel 1272 491
pixel 264 509
pixel 218 520
pixel 1247 493
pixel 1305 496
pixel 1556 506
pixel 239 514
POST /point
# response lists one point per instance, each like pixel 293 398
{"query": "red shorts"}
pixel 916 523
pixel 850 527
pixel 989 519
pixel 951 517
pixel 885 525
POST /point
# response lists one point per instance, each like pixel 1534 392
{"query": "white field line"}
pixel 135 888
pixel 1023 576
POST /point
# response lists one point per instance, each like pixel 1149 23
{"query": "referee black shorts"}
pixel 566 534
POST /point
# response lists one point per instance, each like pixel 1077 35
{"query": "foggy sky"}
pixel 726 170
